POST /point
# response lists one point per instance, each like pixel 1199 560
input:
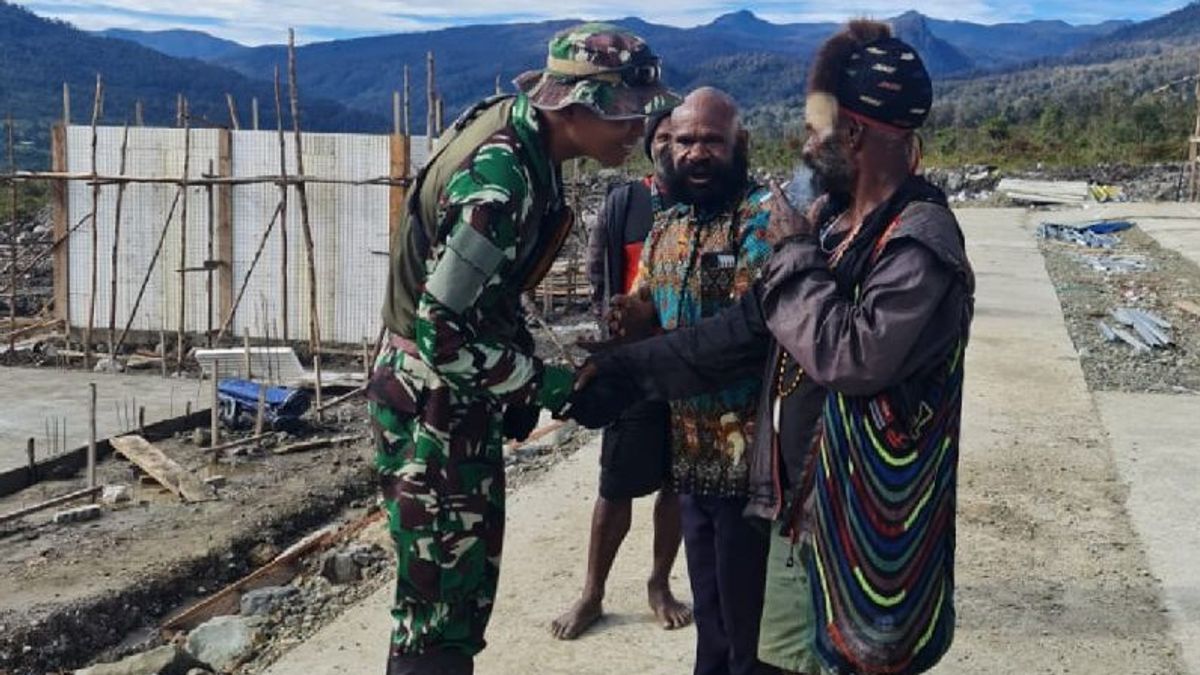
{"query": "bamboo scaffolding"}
pixel 12 246
pixel 183 228
pixel 274 179
pixel 137 303
pixel 208 263
pixel 430 104
pixel 91 314
pixel 262 242
pixel 314 322
pixel 283 201
pixel 233 116
pixel 112 286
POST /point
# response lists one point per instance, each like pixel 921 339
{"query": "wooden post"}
pixel 30 454
pixel 407 103
pixel 181 324
pixel 91 450
pixel 214 418
pixel 179 114
pixel 113 261
pixel 162 351
pixel 397 194
pixel 211 258
pixel 187 409
pixel 66 96
pixel 430 103
pixel 61 216
pixel 138 114
pixel 141 420
pixel 260 410
pixel 12 245
pixel 246 353
pixel 314 322
pixel 224 252
pixel 254 113
pixel 438 117
pixel 233 116
pixel 91 318
pixel 396 123
pixel 366 351
pixel 498 89
pixel 283 209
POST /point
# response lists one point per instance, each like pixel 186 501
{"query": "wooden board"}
pixel 163 469
pixel 61 217
pixel 225 287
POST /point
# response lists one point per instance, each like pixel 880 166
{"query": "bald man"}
pixel 700 256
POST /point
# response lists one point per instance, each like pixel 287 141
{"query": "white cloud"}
pixel 263 21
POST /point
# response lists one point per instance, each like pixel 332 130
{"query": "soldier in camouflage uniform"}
pixel 485 218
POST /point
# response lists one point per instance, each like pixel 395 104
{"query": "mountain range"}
pixel 348 84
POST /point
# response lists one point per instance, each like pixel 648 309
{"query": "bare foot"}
pixel 670 612
pixel 576 620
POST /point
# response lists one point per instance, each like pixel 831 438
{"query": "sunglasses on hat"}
pixel 646 73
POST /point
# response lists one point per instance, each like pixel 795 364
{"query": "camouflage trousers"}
pixel 441 472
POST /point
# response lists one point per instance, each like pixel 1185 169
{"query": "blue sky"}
pixel 263 21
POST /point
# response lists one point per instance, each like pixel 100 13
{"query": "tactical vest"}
pixel 538 241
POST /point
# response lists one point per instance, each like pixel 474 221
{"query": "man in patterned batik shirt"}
pixel 485 218
pixel 701 255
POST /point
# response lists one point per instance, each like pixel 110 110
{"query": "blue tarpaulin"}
pixel 239 404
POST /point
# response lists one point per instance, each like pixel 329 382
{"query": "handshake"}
pixel 602 391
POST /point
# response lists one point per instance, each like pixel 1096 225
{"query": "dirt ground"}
pixel 67 592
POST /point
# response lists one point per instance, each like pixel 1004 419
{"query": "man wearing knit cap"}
pixel 862 317
pixel 485 218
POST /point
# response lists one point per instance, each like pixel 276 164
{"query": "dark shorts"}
pixel 635 454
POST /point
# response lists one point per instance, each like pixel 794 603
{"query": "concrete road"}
pixel 33 397
pixel 1052 577
pixel 1157 453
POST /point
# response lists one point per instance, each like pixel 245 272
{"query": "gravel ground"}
pixel 1088 296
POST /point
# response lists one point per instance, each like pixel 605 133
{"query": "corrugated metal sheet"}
pixel 349 225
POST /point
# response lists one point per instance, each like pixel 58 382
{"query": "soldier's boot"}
pixel 442 662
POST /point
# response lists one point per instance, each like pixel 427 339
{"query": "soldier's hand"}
pixel 786 221
pixel 632 317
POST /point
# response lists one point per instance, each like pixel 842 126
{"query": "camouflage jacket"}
pixel 485 228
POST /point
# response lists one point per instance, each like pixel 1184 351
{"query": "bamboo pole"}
pixel 138 113
pixel 407 105
pixel 12 246
pixel 272 179
pixel 246 353
pixel 208 286
pixel 214 418
pixel 66 101
pixel 283 208
pixel 254 113
pixel 113 261
pixel 429 101
pixel 162 351
pixel 91 318
pixel 233 116
pixel 91 450
pixel 314 322
pixel 181 326
pixel 246 280
pixel 162 236
pixel 50 503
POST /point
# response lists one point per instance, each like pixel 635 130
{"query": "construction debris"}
pixel 1098 234
pixel 51 503
pixel 1114 264
pixel 163 469
pixel 78 514
pixel 1045 191
pixel 318 443
pixel 1151 328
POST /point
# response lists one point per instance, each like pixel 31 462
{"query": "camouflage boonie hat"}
pixel 603 67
